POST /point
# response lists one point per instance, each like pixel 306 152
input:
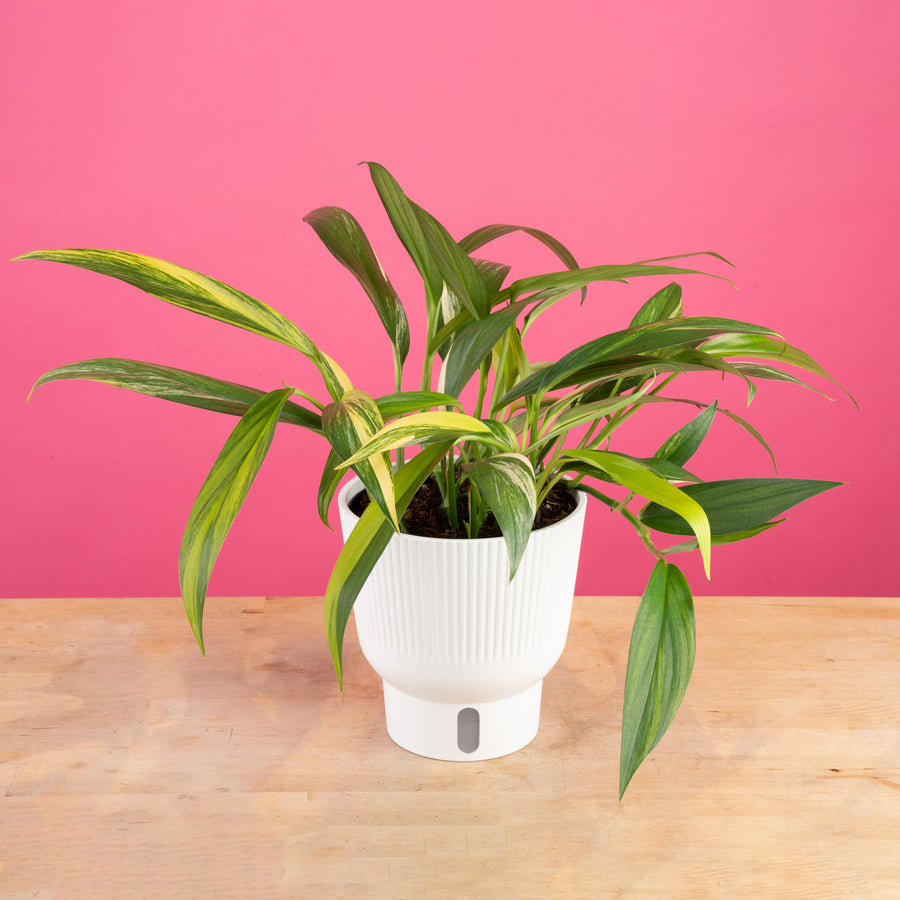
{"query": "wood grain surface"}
pixel 130 766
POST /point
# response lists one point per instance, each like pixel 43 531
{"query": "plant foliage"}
pixel 527 427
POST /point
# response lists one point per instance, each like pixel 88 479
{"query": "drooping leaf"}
pixel 331 476
pixel 660 662
pixel 177 386
pixel 507 484
pixel 488 233
pixel 350 423
pixel 720 539
pixel 685 442
pixel 220 500
pixel 762 346
pixel 637 477
pixel 574 279
pixel 347 242
pixel 202 295
pixel 364 547
pixel 736 504
pixel 664 304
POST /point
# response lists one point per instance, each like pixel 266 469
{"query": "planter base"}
pixel 459 731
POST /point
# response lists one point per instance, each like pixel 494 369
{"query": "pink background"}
pixel 201 132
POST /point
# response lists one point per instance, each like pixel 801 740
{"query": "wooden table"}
pixel 132 767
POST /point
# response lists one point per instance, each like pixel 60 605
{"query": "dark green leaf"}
pixel 347 242
pixel 660 662
pixel 682 445
pixel 737 504
pixel 507 484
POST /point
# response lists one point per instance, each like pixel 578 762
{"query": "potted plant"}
pixel 535 435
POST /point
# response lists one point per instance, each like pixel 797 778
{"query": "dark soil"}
pixel 426 517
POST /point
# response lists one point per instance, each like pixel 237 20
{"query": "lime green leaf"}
pixel 637 477
pixel 507 483
pixel 346 240
pixel 202 295
pixel 220 500
pixel 350 423
pixel 428 427
pixel 736 504
pixel 664 304
pixel 177 386
pixel 364 547
pixel 682 445
pixel 660 662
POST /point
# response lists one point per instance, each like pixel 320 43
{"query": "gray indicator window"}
pixel 468 730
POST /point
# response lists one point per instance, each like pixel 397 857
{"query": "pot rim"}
pixel 355 485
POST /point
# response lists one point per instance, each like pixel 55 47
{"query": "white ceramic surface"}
pixel 440 622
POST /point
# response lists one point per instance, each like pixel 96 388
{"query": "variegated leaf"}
pixel 350 423
pixel 343 236
pixel 220 500
pixel 636 476
pixel 507 484
pixel 428 427
pixel 202 295
pixel 178 386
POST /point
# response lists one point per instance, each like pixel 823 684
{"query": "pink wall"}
pixel 201 132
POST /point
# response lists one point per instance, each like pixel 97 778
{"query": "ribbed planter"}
pixel 461 650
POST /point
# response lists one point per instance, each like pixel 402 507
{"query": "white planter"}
pixel 462 652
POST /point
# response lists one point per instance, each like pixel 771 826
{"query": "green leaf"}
pixel 736 504
pixel 457 270
pixel 664 304
pixel 220 500
pixel 428 427
pixel 637 477
pixel 364 547
pixel 574 279
pixel 392 405
pixel 488 233
pixel 402 213
pixel 332 473
pixel 177 386
pixel 350 423
pixel 649 338
pixel 720 539
pixel 347 242
pixel 202 295
pixel 507 483
pixel 472 344
pixel 760 346
pixel 660 662
pixel 682 445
